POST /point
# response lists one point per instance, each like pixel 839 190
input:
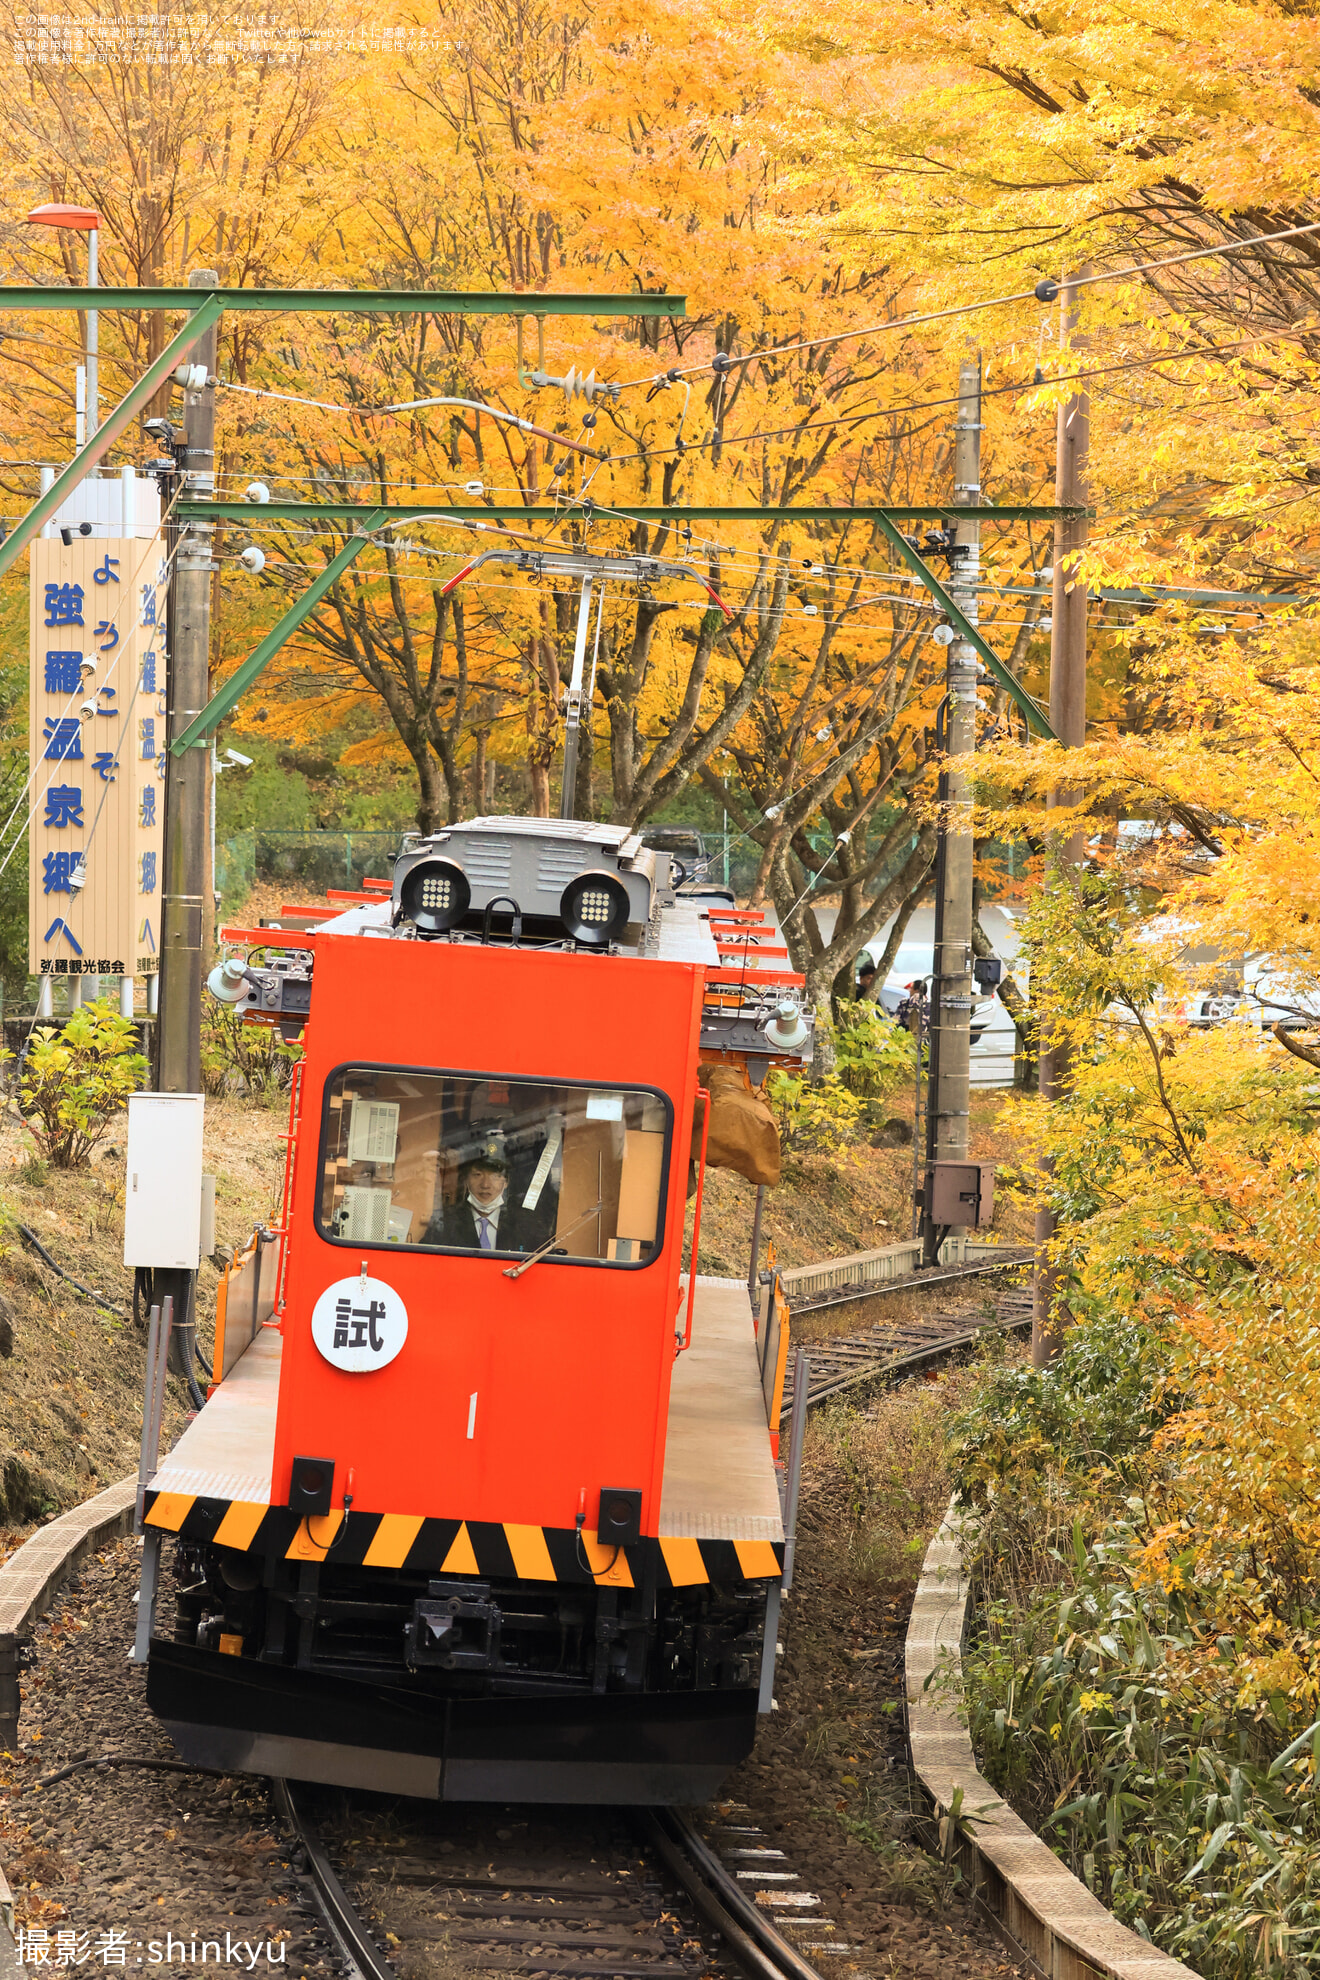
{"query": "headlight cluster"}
pixel 594 909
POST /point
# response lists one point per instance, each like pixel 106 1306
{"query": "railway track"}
pixel 886 1353
pixel 543 1913
pixel 592 1905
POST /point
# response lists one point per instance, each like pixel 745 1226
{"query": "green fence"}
pixel 314 860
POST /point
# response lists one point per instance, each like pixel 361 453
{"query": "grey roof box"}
pixel 532 860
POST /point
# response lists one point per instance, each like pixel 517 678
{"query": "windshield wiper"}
pixel 516 1271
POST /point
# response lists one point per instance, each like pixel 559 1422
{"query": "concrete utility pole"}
pixel 948 1104
pixel 179 1062
pixel 1068 720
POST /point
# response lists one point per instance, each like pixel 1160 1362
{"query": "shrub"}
pixel 1096 1711
pixel 872 1053
pixel 1091 1415
pixel 1145 1679
pixel 243 1058
pixel 815 1116
pixel 866 1056
pixel 75 1081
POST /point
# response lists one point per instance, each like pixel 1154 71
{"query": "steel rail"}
pixel 353 1940
pixel 752 1940
pixel 750 1937
pixel 909 1363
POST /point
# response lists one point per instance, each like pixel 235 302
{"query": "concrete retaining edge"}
pixel 880 1267
pixel 29 1582
pixel 1064 1930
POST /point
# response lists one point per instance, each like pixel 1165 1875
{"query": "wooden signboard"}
pixel 97 730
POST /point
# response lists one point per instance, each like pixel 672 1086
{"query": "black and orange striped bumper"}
pixel 495 1550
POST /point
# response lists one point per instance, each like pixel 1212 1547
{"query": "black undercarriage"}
pixel 457 1686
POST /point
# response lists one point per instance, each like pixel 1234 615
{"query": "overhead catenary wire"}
pixel 1154 595
pixel 416 405
pixel 812 617
pixel 724 361
pixel 841 419
pixel 815 569
pixel 1013 389
pixel 804 615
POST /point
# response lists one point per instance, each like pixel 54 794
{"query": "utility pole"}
pixel 179 1062
pixel 182 927
pixel 948 1104
pixel 1068 720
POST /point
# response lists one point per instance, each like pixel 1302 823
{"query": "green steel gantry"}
pixel 363 520
pixel 204 306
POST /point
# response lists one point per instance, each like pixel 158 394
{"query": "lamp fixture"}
pixel 435 896
pixel 595 908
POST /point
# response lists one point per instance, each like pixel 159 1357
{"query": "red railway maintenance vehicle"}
pixel 485 1500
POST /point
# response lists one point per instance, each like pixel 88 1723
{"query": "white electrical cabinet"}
pixel 163 1186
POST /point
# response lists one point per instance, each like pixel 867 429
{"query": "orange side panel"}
pixel 218 1345
pixel 777 1394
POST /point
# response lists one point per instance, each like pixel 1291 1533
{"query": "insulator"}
pixel 578 385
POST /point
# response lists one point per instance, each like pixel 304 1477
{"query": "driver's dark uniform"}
pixel 456 1226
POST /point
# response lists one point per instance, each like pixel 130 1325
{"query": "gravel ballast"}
pixel 144 1868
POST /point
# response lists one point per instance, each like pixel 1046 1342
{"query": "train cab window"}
pixel 459 1162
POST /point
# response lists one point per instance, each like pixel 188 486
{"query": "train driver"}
pixel 484 1219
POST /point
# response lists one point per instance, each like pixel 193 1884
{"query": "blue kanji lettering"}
pixel 63 739
pixel 107 572
pixel 64 603
pixel 147 884
pixel 57 872
pixel 60 926
pixel 147 807
pixel 64 806
pixel 147 736
pixel 148 605
pixel 149 673
pixel 63 673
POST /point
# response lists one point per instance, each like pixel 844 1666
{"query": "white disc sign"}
pixel 359 1324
